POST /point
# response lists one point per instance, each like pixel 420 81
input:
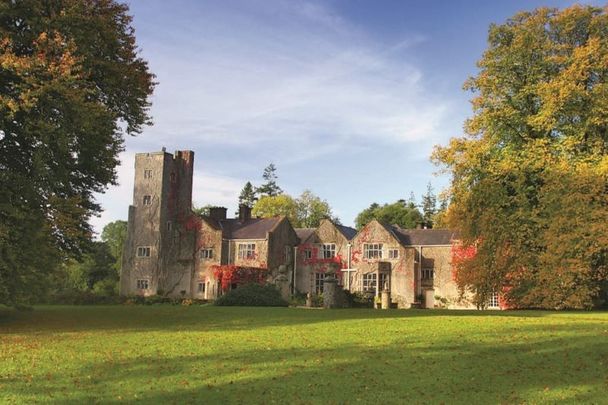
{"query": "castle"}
pixel 172 251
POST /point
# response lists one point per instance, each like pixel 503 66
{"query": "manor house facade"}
pixel 172 251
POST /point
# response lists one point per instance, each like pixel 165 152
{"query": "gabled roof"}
pixel 254 228
pixel 347 231
pixel 423 237
pixel 304 233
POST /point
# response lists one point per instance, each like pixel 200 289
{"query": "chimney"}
pixel 217 213
pixel 244 213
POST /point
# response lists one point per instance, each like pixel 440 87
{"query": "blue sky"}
pixel 346 97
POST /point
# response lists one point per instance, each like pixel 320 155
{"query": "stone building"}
pixel 172 251
pixel 321 249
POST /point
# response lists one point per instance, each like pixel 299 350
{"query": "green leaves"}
pixel 528 178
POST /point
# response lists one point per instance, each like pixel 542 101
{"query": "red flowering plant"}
pixel 229 274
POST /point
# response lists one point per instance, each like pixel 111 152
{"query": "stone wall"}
pixel 159 219
pixel 326 233
pixel 401 269
pixel 439 259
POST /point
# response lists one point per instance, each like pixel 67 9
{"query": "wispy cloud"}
pixel 291 82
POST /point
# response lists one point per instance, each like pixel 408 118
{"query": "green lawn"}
pixel 174 354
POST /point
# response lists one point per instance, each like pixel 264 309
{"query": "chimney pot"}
pixel 217 213
pixel 244 213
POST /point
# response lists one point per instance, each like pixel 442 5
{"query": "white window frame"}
pixel 427 274
pixel 246 251
pixel 493 300
pixel 372 250
pixel 147 200
pixel 206 254
pixel 142 284
pixel 393 253
pixel 144 251
pixel 328 250
pixel 369 282
pixel 319 282
pixel 147 173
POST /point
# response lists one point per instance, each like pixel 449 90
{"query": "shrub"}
pixel 359 299
pixel 254 295
pixel 73 297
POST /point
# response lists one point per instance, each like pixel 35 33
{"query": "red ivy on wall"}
pixel 229 274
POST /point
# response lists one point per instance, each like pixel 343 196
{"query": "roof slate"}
pixel 347 231
pixel 423 237
pixel 304 233
pixel 254 228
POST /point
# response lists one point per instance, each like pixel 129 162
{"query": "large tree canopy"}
pixel 530 176
pixel 402 213
pixel 306 211
pixel 71 85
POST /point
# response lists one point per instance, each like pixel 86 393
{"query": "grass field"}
pixel 174 354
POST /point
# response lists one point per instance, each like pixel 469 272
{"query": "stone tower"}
pixel 158 254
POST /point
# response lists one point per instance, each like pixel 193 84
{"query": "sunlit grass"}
pixel 174 354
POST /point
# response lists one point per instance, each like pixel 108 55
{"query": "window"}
pixel 169 225
pixel 147 174
pixel 427 274
pixel 173 177
pixel 369 282
pixel 393 253
pixel 307 254
pixel 143 251
pixel 147 200
pixel 329 250
pixel 493 301
pixel 246 250
pixel 372 250
pixel 201 287
pixel 206 254
pixel 319 277
pixel 384 281
pixel 143 284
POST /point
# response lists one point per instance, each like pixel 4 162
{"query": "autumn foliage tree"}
pixel 530 176
pixel 71 86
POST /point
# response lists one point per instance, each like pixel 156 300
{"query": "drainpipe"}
pixel 295 266
pixel 348 249
pixel 419 272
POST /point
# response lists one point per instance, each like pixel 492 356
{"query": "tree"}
pixel 529 176
pixel 429 205
pixel 399 213
pixel 247 196
pixel 310 210
pixel 71 86
pixel 270 187
pixel 114 235
pixel 272 206
pixel 203 210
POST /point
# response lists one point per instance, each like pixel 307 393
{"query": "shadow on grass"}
pixel 60 319
pixel 569 367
